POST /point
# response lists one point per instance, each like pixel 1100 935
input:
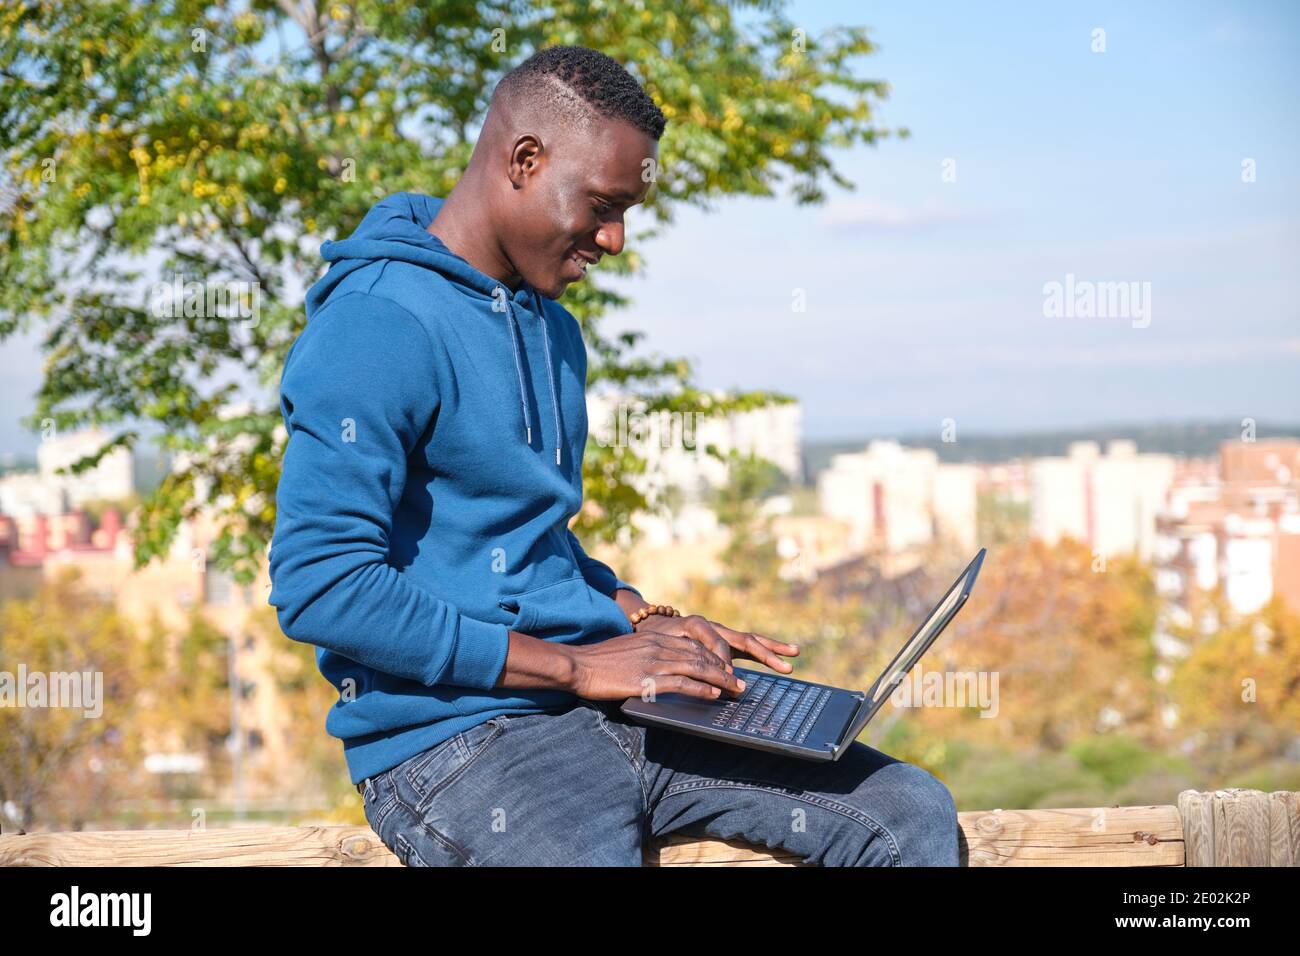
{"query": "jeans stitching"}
pixel 437 835
pixel 469 758
pixel 382 813
pixel 423 760
pixel 603 723
pixel 815 799
pixel 411 852
pixel 426 800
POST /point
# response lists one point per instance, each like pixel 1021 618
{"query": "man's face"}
pixel 568 208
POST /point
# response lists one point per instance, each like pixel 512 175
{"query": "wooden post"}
pixel 1241 827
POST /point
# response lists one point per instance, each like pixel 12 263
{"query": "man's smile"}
pixel 581 260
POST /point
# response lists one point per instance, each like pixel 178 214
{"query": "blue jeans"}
pixel 584 786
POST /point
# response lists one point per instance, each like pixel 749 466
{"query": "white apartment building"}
pixel 899 498
pixel 1246 561
pixel 1108 501
pixel 24 494
pixel 1235 529
pixel 1248 547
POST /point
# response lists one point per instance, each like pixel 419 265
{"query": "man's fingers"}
pixel 781 647
pixel 704 632
pixel 679 648
pixel 703 669
pixel 677 684
pixel 697 629
pixel 763 649
pixel 771 651
pixel 686 656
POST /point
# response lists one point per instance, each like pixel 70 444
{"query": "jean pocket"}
pixel 629 737
pixel 451 758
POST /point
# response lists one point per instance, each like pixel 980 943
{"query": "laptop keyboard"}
pixel 775 708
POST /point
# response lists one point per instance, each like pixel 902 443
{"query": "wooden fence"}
pixel 1215 828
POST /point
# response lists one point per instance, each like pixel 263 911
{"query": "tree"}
pixel 193 714
pixel 750 558
pixel 1069 641
pixel 56 759
pixel 304 700
pixel 219 142
pixel 1238 690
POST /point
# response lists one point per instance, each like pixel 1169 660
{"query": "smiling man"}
pixel 436 412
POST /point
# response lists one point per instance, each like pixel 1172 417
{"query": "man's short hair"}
pixel 577 84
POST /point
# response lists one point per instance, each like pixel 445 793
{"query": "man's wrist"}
pixel 648 611
pixel 533 662
pixel 567 666
pixel 629 601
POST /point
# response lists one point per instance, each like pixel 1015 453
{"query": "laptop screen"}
pixel 926 633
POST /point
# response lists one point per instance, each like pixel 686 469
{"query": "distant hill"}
pixel 12 462
pixel 1189 440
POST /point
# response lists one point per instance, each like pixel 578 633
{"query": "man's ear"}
pixel 526 158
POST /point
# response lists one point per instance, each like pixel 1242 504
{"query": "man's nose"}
pixel 610 238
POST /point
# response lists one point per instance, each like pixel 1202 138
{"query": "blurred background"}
pixel 914 279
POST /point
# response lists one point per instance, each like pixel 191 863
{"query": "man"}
pixel 422 542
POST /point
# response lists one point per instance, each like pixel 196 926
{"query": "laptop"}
pixel 811 721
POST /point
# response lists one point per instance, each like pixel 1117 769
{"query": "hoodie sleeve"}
pixel 597 573
pixel 357 395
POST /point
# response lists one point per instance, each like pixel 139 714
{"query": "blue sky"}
pixel 925 297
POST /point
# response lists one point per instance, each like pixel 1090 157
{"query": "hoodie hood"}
pixel 397 229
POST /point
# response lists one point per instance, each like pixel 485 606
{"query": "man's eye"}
pixel 602 208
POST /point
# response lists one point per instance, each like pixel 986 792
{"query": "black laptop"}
pixel 794 717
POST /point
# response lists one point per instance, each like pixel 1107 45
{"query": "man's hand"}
pixel 628 665
pixel 724 642
pixel 676 655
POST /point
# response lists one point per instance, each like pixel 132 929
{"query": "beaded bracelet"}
pixel 645 612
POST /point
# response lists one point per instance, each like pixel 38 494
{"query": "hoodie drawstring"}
pixel 515 339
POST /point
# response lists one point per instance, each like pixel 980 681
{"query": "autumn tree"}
pixel 1068 636
pixel 220 142
pixel 186 675
pixel 750 558
pixel 1238 691
pixel 60 762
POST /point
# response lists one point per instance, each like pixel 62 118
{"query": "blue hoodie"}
pixel 436 426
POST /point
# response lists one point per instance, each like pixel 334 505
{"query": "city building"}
pixel 1236 528
pixel 1109 501
pixel 896 499
pixel 45 529
pixel 25 494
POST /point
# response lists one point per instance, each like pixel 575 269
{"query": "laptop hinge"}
pixel 857 721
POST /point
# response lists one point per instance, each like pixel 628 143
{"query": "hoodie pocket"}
pixel 561 606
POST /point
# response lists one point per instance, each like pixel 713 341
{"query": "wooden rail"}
pixel 1218 828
